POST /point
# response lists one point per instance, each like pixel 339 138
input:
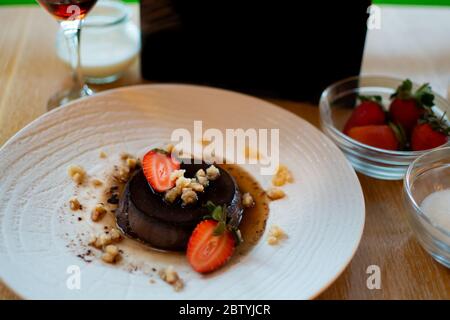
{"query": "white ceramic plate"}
pixel 323 213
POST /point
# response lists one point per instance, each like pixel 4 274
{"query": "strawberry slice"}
pixel 158 165
pixel 208 251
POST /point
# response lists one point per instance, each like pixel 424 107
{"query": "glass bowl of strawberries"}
pixel 382 124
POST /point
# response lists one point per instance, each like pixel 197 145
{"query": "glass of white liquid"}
pixel 110 43
pixel 427 195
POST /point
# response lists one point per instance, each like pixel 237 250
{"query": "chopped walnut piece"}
pixel 77 173
pixel 131 163
pixel 170 276
pixel 103 155
pixel 275 193
pixel 247 200
pixel 105 238
pixel 183 182
pixel 212 172
pixel 282 176
pixel 97 182
pixel 172 194
pixel 272 240
pixel 275 235
pixel 98 212
pixel 111 254
pixel 74 204
pixel 197 187
pixel 175 175
pixel 188 196
pixel 202 178
pixel 125 155
pixel 100 241
pixel 115 234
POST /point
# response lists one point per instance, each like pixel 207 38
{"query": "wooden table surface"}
pixel 30 72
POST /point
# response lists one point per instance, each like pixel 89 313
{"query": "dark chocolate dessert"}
pixel 144 214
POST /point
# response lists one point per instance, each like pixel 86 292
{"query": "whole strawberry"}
pixel 368 112
pixel 431 132
pixel 406 108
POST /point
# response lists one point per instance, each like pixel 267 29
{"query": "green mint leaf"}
pixel 217 214
pixel 224 213
pixel 403 90
pixel 210 206
pixel 220 228
pixel 424 96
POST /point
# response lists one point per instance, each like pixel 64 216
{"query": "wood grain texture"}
pixel 30 72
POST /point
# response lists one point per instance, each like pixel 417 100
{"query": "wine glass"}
pixel 69 14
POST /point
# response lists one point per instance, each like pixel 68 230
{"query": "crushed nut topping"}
pixel 111 254
pixel 172 194
pixel 125 155
pixel 123 175
pixel 272 240
pixel 275 193
pixel 115 234
pixel 187 187
pixel 175 175
pixel 97 182
pixel 170 276
pixel 74 204
pixel 247 200
pixel 77 174
pixel 105 239
pixel 188 196
pixel 282 176
pixel 275 235
pixel 132 163
pixel 202 178
pixel 212 172
pixel 183 182
pixel 197 187
pixel 103 155
pixel 98 212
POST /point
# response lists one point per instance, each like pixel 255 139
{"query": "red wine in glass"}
pixel 68 9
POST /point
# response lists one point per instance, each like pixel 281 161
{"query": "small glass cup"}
pixel 110 43
pixel 426 189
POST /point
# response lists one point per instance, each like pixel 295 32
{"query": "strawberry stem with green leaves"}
pixel 376 98
pixel 423 96
pixel 438 124
pixel 219 214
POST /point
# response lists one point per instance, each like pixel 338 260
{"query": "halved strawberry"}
pixel 157 166
pixel 207 251
pixel 382 137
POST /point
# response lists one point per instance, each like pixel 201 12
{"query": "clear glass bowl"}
pixel 429 175
pixel 336 105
